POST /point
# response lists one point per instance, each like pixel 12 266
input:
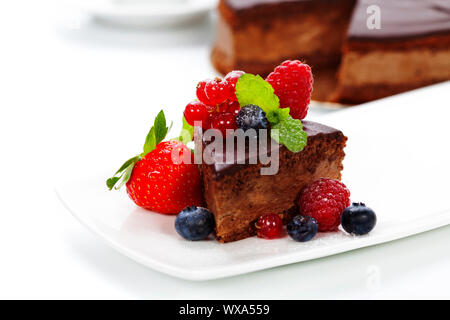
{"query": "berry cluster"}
pixel 217 105
pixel 323 205
pixel 218 108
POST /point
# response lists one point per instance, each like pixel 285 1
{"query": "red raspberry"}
pixel 217 91
pixel 232 78
pixel 223 121
pixel 324 200
pixel 269 226
pixel 293 84
pixel 196 111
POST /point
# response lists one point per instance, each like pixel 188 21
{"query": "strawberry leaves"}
pixel 156 134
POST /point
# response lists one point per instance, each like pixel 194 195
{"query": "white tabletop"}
pixel 77 95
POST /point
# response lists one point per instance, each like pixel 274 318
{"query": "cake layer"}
pixel 256 36
pixel 238 194
pixel 391 68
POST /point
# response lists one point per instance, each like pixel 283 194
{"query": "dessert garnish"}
pixel 153 180
pixel 302 228
pixel 194 223
pixel 358 219
pixel 269 226
pixel 324 200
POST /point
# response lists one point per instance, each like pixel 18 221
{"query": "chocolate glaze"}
pixel 247 4
pixel 401 19
pixel 313 130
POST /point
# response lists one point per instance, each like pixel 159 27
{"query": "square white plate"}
pixel 397 163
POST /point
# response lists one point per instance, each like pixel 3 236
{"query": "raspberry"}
pixel 217 91
pixel 269 226
pixel 293 83
pixel 196 111
pixel 232 78
pixel 223 121
pixel 324 200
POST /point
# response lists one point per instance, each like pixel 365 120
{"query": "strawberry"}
pixel 155 179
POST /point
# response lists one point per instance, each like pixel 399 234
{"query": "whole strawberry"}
pixel 160 179
pixel 324 200
pixel 293 84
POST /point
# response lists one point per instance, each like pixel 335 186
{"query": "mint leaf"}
pixel 278 115
pixel 289 132
pixel 251 89
pixel 187 132
pixel 156 134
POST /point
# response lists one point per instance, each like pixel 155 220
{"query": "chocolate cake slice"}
pixel 410 50
pixel 238 194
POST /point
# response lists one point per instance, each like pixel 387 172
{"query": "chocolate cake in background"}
pixel 351 63
pixel 411 50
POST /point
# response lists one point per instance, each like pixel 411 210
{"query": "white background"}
pixel 75 96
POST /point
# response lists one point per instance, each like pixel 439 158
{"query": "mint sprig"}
pixel 289 132
pixel 251 89
pixel 285 130
pixel 156 134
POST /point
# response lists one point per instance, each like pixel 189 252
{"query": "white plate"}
pixel 141 13
pixel 397 162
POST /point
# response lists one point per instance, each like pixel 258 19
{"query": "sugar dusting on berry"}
pixel 324 200
pixel 293 84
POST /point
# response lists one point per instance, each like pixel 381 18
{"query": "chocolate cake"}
pixel 410 50
pixel 238 194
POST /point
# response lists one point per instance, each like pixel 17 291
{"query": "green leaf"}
pixel 160 127
pixel 251 89
pixel 126 176
pixel 150 141
pixel 111 182
pixel 289 132
pixel 127 163
pixel 278 115
pixel 187 132
pixel 123 174
pixel 156 134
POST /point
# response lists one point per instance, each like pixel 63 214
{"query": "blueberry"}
pixel 194 223
pixel 358 219
pixel 302 228
pixel 251 117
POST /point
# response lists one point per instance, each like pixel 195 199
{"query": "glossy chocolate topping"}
pixel 246 4
pixel 313 130
pixel 401 19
